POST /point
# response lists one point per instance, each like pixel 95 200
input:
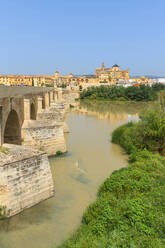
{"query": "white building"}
pixel 161 80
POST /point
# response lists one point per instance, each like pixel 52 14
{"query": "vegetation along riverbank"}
pixel 120 93
pixel 130 207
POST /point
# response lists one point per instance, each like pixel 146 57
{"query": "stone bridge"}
pixel 21 111
pixel 32 126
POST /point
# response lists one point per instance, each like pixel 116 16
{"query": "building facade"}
pixel 111 75
pixel 22 80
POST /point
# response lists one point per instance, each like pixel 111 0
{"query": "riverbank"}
pixel 120 93
pixel 129 210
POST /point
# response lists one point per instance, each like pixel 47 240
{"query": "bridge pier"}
pixel 26 109
pixel 55 96
pixel 25 178
pixel 39 102
pixel 47 132
pixel 59 95
pixel 46 97
pixel 51 97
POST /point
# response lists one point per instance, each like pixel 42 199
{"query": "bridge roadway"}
pixel 12 91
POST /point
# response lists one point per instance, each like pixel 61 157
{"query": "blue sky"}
pixel 40 36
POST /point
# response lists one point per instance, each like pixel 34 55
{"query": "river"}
pixel 91 157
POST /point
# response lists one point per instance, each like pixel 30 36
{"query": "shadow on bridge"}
pixel 12 133
pixel 32 112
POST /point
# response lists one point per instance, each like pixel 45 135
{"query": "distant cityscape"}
pixel 111 76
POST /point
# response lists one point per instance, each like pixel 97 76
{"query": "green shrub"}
pixel 120 93
pixel 122 98
pixel 58 153
pixel 128 136
pixel 148 134
pixel 3 212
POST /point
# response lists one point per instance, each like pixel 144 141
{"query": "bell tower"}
pixel 102 67
pixel 56 74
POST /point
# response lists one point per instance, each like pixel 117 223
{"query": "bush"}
pixel 148 134
pixel 120 93
pixel 58 153
pixel 128 136
pixel 3 212
pixel 130 208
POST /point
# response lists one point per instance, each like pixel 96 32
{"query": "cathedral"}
pixel 112 74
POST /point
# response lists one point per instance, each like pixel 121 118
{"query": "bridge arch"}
pixel 12 131
pixel 32 112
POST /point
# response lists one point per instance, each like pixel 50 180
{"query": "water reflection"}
pixel 107 107
pixel 77 175
pixel 114 111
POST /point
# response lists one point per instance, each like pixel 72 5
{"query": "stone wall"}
pixel 47 136
pixel 70 96
pixel 47 132
pixel 51 114
pixel 25 178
